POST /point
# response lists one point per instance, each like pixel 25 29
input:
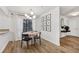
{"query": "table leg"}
pixel 27 44
pixel 34 41
pixel 21 43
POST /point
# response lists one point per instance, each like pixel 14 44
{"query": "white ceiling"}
pixel 38 10
pixel 65 10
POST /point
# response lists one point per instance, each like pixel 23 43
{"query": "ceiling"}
pixel 65 10
pixel 38 10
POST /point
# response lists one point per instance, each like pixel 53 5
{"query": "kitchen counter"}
pixel 3 31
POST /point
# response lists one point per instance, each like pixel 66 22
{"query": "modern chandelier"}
pixel 31 15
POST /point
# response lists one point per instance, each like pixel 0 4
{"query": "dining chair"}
pixel 25 37
pixel 38 36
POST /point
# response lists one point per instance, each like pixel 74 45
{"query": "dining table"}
pixel 31 34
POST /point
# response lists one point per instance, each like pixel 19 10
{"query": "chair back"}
pixel 38 35
pixel 25 36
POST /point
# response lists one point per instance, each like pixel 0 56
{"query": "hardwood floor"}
pixel 69 44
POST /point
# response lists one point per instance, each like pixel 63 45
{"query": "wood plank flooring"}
pixel 69 44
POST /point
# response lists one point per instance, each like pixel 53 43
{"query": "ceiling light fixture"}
pixel 31 12
pixel 26 15
pixel 31 15
pixel 34 16
pixel 74 14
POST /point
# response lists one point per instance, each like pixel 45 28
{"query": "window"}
pixel 27 25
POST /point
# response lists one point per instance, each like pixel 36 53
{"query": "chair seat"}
pixel 26 39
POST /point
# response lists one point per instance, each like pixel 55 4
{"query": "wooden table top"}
pixel 31 33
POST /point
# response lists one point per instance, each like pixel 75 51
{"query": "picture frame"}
pixel 48 28
pixel 48 22
pixel 48 17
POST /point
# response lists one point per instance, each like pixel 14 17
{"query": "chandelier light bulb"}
pixel 32 13
pixel 30 17
pixel 34 16
pixel 26 15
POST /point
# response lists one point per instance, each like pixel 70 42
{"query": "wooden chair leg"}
pixel 27 44
pixel 31 42
pixel 21 43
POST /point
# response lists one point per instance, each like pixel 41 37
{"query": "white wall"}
pixel 73 23
pixel 5 23
pixel 66 20
pixel 17 26
pixel 4 20
pixel 54 35
pixel 12 22
pixel 74 26
pixel 33 24
pixel 4 39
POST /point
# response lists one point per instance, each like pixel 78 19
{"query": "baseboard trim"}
pixel 69 36
pixel 4 47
